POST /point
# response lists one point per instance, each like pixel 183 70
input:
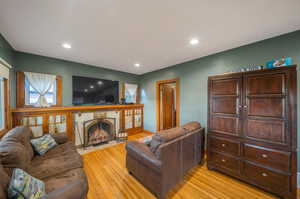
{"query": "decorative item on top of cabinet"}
pixel 252 133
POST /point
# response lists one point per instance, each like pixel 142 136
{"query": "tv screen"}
pixel 91 91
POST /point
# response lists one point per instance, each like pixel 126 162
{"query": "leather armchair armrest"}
pixel 75 190
pixel 60 138
pixel 143 154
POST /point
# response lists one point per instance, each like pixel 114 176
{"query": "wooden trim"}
pixel 20 89
pixel 158 84
pixel 58 90
pixel 75 108
pixel 20 101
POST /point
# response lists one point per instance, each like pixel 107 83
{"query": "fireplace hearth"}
pixel 98 131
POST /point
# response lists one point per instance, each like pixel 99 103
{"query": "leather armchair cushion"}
pixel 142 152
pixel 165 136
pixel 22 135
pixel 191 126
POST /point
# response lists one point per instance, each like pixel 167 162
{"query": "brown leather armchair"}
pixel 162 163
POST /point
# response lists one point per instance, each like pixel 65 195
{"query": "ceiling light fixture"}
pixel 194 41
pixel 100 82
pixel 91 86
pixel 137 65
pixel 85 90
pixel 66 45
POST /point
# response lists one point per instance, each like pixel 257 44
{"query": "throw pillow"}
pixel 43 144
pixel 24 186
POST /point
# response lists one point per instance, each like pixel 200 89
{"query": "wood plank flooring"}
pixel 109 179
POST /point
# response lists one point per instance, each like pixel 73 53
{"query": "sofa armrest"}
pixel 142 153
pixel 75 190
pixel 60 138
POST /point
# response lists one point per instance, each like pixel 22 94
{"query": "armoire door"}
pixel 265 107
pixel 225 102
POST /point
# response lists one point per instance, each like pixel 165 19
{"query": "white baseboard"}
pixel 298 179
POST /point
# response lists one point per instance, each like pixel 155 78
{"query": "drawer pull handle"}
pixel 264 155
pixel 264 174
pixel 223 160
pixel 223 145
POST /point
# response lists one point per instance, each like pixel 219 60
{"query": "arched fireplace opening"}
pixel 98 131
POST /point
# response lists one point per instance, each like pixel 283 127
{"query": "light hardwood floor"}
pixel 108 178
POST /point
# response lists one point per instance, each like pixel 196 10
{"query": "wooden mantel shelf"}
pixel 77 108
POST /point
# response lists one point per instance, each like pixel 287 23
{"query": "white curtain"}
pixel 41 83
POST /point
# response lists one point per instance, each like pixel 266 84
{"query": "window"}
pixel 30 85
pixel 131 93
pixel 32 96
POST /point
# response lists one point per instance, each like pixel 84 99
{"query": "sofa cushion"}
pixel 4 181
pixel 191 126
pixel 60 138
pixel 23 135
pixel 13 154
pixel 165 136
pixel 22 185
pixel 59 150
pixel 58 181
pixel 44 168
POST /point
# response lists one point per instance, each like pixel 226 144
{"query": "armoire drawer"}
pixel 268 157
pixel 272 181
pixel 224 145
pixel 227 162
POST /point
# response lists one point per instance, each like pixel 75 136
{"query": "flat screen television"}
pixel 93 91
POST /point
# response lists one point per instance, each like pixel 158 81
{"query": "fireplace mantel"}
pixel 56 118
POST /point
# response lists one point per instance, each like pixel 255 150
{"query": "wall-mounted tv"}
pixel 93 91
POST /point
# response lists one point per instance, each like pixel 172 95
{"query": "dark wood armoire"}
pixel 252 128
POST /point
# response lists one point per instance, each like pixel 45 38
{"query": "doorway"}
pixel 167 104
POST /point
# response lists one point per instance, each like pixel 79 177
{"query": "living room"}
pixel 112 99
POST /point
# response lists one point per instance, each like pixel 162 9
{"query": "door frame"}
pixel 177 96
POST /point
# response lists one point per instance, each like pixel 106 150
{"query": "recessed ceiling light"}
pixel 85 90
pixel 100 82
pixel 194 41
pixel 91 86
pixel 137 65
pixel 66 45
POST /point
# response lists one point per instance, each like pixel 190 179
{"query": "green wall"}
pixel 193 76
pixel 40 64
pixel 6 51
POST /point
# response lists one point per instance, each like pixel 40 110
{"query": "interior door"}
pixel 225 105
pixel 168 106
pixel 265 107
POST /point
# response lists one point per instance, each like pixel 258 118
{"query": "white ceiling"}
pixel 116 34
